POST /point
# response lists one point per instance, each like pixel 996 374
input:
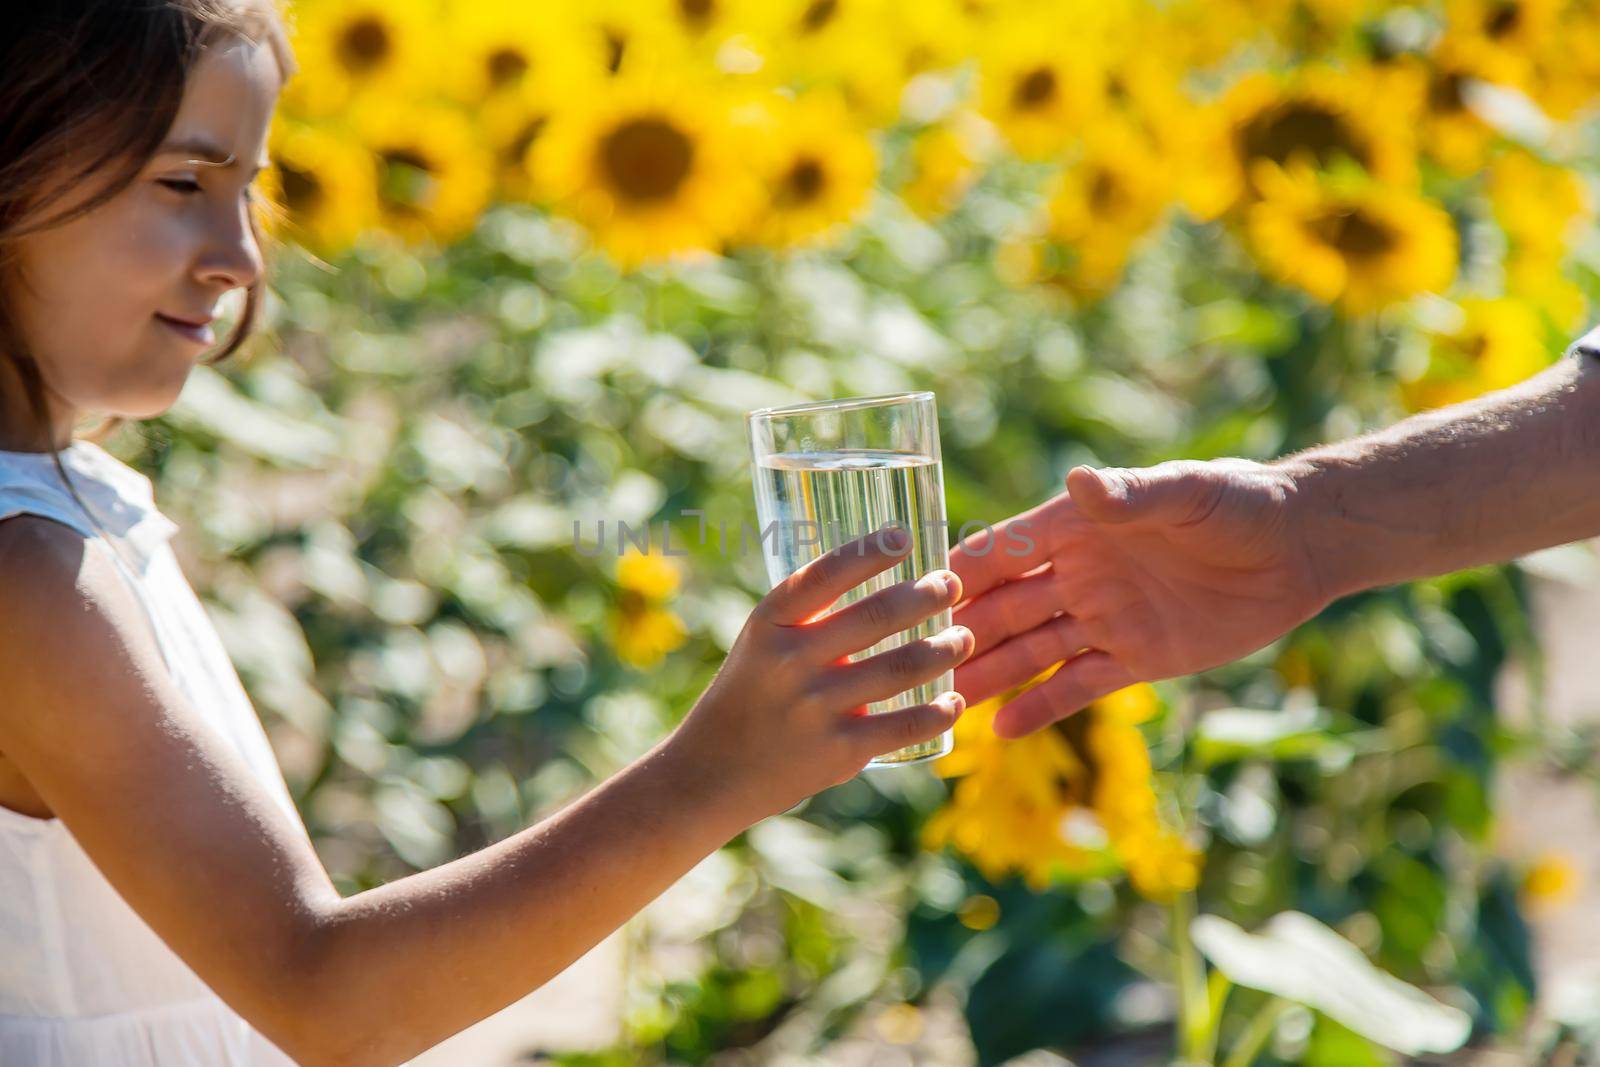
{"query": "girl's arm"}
pixel 174 820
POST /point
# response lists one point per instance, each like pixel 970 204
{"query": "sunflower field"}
pixel 534 263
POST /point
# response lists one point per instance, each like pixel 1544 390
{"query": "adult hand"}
pixel 1132 575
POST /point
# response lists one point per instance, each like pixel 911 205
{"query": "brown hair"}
pixel 91 87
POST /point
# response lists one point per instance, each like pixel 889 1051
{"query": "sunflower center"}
pixel 616 48
pixel 364 45
pixel 1504 20
pixel 407 182
pixel 1475 347
pixel 804 182
pixel 517 147
pixel 646 159
pixel 818 14
pixel 302 191
pixel 1036 89
pixel 1105 192
pixel 1354 234
pixel 1444 93
pixel 506 65
pixel 696 11
pixel 1282 132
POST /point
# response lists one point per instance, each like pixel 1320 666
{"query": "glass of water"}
pixel 828 473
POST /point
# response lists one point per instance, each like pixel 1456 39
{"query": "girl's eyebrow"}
pixel 201 150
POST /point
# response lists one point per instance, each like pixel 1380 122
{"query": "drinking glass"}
pixel 828 473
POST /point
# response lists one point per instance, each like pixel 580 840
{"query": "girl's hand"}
pixel 786 715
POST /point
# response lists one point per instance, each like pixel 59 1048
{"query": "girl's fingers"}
pixel 1021 658
pixel 890 730
pixel 888 611
pixel 893 672
pixel 1011 609
pixel 1080 681
pixel 813 588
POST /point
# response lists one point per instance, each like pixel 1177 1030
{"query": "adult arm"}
pixel 1148 573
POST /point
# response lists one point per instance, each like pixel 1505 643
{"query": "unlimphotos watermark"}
pixel 789 537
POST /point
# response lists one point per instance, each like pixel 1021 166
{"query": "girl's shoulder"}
pixel 119 500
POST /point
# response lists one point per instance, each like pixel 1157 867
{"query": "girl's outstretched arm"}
pixel 174 820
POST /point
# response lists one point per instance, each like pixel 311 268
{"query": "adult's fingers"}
pixel 1021 658
pixel 890 730
pixel 1012 609
pixel 1011 548
pixel 893 672
pixel 1080 681
pixel 1178 491
pixel 810 590
pixel 885 612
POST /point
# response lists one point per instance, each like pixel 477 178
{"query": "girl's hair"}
pixel 88 91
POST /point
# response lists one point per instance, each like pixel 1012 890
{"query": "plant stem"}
pixel 1257 1034
pixel 1194 1004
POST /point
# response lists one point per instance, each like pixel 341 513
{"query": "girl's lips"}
pixel 198 334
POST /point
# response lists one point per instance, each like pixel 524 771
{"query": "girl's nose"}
pixel 232 256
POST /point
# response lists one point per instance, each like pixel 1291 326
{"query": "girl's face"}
pixel 100 299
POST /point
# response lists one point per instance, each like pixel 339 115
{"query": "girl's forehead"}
pixel 228 101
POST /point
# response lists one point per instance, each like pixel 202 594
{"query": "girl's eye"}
pixel 181 185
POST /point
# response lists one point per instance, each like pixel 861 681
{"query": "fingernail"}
pixel 956 637
pixel 895 538
pixel 955 702
pixel 938 581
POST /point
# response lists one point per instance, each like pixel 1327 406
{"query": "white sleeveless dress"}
pixel 84 982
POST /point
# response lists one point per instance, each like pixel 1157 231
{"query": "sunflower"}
pixel 651 168
pixel 1565 75
pixel 434 175
pixel 1450 131
pixel 933 34
pixel 1309 27
pixel 943 167
pixel 1159 862
pixel 1073 800
pixel 1008 812
pixel 349 47
pixel 1494 344
pixel 1537 204
pixel 1102 204
pixel 1537 278
pixel 325 184
pixel 818 165
pixel 705 25
pixel 1551 881
pixel 498 50
pixel 1519 27
pixel 1038 92
pixel 511 125
pixel 625 37
pixel 643 628
pixel 835 44
pixel 1361 245
pixel 1201 33
pixel 1321 118
pixel 1144 90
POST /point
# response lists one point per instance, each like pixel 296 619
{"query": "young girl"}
pixel 160 902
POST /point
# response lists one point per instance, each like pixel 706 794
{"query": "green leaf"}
pixel 1298 958
pixel 1333 1045
pixel 1229 734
